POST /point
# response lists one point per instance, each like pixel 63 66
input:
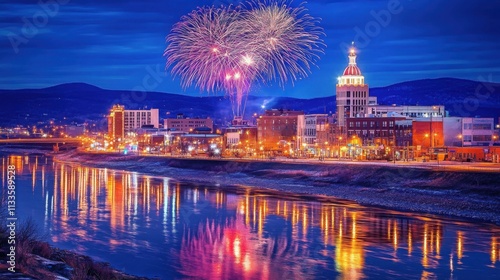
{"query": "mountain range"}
pixel 79 102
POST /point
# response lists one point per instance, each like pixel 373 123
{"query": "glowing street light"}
pixel 460 136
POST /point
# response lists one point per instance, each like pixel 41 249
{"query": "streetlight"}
pixel 427 136
pixel 326 145
pixel 339 142
pixel 354 143
pixel 460 136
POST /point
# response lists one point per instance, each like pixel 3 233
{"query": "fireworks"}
pixel 229 48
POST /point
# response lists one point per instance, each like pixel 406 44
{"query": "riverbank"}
pixel 466 194
pixel 37 259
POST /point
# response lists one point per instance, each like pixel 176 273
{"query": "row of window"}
pixel 356 102
pixel 481 137
pixel 351 81
pixel 376 133
pixel 310 132
pixel 355 109
pixel 408 114
pixel 278 127
pixel 138 114
pixel 373 124
pixel 190 122
pixel 138 119
pixel 362 94
pixel 309 140
pixel 477 126
pixel 285 121
pixel 184 125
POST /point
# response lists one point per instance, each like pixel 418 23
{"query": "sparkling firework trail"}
pixel 229 48
pixel 287 39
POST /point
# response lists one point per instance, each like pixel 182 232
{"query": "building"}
pixel 427 133
pixel 311 123
pixel 278 130
pixel 187 125
pixel 489 154
pixel 315 131
pixel 74 130
pixel 134 119
pixel 352 94
pixel 462 132
pixel 200 143
pixel 116 123
pixel 241 137
pixel 407 111
pixel 393 130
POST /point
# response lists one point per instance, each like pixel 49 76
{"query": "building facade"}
pixel 74 130
pixel 381 131
pixel 428 134
pixel 241 137
pixel 134 119
pixel 471 153
pixel 407 111
pixel 463 132
pixel 352 94
pixel 116 123
pixel 277 130
pixel 187 125
pixel 311 125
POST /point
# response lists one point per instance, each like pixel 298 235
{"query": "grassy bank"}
pixel 37 259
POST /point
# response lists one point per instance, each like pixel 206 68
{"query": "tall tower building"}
pixel 116 127
pixel 351 92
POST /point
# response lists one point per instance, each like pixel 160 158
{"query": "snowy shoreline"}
pixel 472 195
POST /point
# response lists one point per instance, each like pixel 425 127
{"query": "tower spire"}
pixel 352 55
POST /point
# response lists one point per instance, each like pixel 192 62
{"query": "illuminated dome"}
pixel 352 75
pixel 352 70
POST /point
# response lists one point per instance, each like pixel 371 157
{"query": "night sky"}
pixel 114 44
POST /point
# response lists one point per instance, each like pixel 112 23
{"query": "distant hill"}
pixel 460 97
pixel 82 102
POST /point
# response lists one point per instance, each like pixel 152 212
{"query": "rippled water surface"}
pixel 158 227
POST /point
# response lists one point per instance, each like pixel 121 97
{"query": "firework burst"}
pixel 287 40
pixel 229 48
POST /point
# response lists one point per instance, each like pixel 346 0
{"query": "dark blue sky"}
pixel 117 44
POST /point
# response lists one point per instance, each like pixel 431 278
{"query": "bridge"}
pixel 52 141
pixel 55 144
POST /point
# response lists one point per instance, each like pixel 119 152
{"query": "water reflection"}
pixel 177 230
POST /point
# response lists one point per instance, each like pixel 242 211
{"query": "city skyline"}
pixel 396 41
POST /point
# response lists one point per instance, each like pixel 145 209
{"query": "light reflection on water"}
pixel 154 226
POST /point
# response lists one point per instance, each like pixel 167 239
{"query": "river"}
pixel 160 227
